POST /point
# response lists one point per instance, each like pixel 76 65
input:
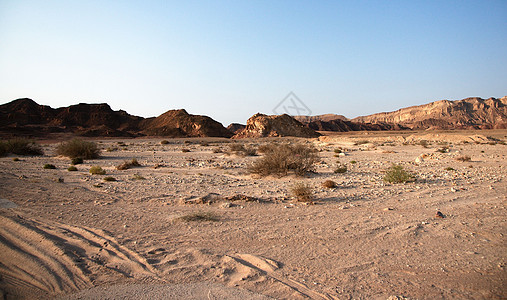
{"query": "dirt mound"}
pixel 260 125
pixel 178 123
pixel 470 113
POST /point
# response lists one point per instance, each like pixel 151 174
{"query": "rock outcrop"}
pixel 344 126
pixel 235 127
pixel 260 125
pixel 469 113
pixel 323 118
pixel 179 123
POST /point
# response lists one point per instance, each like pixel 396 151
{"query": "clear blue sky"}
pixel 231 59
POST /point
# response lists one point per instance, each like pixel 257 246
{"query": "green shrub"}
pixel 164 142
pixel 71 169
pixel 353 162
pixel 109 178
pixel 396 174
pixel 15 159
pixel 78 148
pixel 337 151
pixel 49 166
pixel 77 160
pixel 138 177
pixel 449 169
pixel 340 169
pixel 97 170
pixel 21 146
pixel 302 192
pixel 282 159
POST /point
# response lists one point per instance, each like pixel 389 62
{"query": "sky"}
pixel 231 59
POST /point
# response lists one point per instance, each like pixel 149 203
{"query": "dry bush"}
pixel 396 174
pixel 78 148
pixel 302 192
pixel 71 169
pixel 164 142
pixel 138 177
pixel 329 184
pixel 217 150
pixel 241 150
pixel 185 150
pixel 463 158
pixel 282 159
pixel 340 169
pixel 49 166
pixel 109 178
pixel 20 146
pixel 128 164
pixel 361 142
pixel 97 170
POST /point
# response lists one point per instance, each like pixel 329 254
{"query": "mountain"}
pixel 323 118
pixel 344 126
pixel 26 117
pixel 469 113
pixel 179 123
pixel 235 127
pixel 260 125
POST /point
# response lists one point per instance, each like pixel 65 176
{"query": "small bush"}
pixel 449 169
pixel 353 162
pixel 302 192
pixel 337 151
pixel 49 166
pixel 77 160
pixel 340 169
pixel 217 150
pixel 188 142
pixel 362 142
pixel 423 143
pixel 97 170
pixel 109 178
pixel 15 159
pixel 21 146
pixel 112 149
pixel 164 142
pixel 3 148
pixel 241 150
pixel 396 174
pixel 329 184
pixel 200 216
pixel 128 164
pixel 78 148
pixel 138 177
pixel 284 158
pixel 71 169
pixel 204 143
pixel 185 150
pixel 463 158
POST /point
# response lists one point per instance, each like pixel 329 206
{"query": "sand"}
pixel 72 235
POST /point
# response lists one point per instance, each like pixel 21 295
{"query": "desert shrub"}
pixel 112 149
pixel 353 162
pixel 340 169
pixel 77 160
pixel 241 150
pixel 49 166
pixel 15 159
pixel 71 169
pixel 423 143
pixel 185 150
pixel 97 170
pixel 302 192
pixel 362 142
pixel 396 174
pixel 188 142
pixel 78 148
pixel 128 164
pixel 217 150
pixel 449 169
pixel 3 148
pixel 138 177
pixel 164 142
pixel 284 158
pixel 22 146
pixel 200 216
pixel 204 143
pixel 329 184
pixel 463 158
pixel 337 151
pixel 109 178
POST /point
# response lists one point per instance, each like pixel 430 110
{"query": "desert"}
pixel 189 220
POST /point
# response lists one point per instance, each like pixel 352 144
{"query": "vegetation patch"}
pixel 97 170
pixel 164 142
pixel 128 164
pixel 49 166
pixel 302 192
pixel 329 184
pixel 241 150
pixel 463 158
pixel 76 148
pixel 282 159
pixel 109 178
pixel 396 174
pixel 138 177
pixel 200 216
pixel 20 146
pixel 340 169
pixel 72 169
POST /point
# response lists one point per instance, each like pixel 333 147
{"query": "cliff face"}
pixel 461 114
pixel 260 125
pixel 26 117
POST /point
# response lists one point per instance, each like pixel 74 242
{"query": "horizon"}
pixel 230 60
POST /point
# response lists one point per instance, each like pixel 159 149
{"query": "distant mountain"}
pixel 344 126
pixel 26 117
pixel 323 118
pixel 260 125
pixel 469 113
pixel 235 127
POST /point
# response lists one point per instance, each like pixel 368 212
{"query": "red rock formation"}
pixel 261 125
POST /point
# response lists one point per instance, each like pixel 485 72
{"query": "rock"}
pixel 439 215
pixel 261 125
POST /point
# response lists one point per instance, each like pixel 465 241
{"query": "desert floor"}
pixel 73 235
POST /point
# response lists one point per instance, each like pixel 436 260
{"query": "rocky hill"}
pixel 235 127
pixel 26 117
pixel 344 126
pixel 323 118
pixel 469 113
pixel 260 125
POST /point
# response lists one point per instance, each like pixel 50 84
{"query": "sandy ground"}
pixel 85 238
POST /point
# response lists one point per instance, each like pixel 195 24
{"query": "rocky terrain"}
pixel 191 222
pixel 470 113
pixel 260 125
pixel 24 117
